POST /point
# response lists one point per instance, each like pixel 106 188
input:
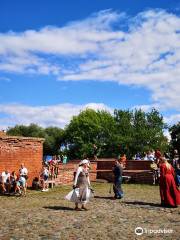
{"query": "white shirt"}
pixel 150 157
pixel 5 176
pixel 45 172
pixel 23 171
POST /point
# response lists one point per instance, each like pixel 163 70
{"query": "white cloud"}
pixel 108 46
pixel 5 79
pixel 172 119
pixel 167 135
pixel 146 108
pixel 56 115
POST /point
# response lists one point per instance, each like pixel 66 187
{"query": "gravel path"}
pixel 46 215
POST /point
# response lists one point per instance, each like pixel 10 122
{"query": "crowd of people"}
pixel 50 171
pixel 14 183
pixel 169 187
pixel 168 175
pixel 149 155
pixel 154 157
pixel 166 172
pixel 53 163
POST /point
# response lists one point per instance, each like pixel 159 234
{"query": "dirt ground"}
pixel 47 215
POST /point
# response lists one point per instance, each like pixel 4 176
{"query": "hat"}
pixel 84 161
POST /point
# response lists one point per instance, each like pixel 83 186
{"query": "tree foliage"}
pixel 139 131
pixel 88 128
pixel 175 136
pixel 53 136
pixel 125 131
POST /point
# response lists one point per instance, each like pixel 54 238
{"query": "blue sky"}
pixel 60 57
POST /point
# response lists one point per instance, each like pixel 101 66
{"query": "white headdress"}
pixel 84 161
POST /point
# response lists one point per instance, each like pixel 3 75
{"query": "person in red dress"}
pixel 170 195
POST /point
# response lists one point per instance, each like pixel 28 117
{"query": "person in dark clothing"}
pixel 117 171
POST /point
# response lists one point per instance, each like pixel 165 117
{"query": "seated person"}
pixel 35 183
pixel 5 181
pixel 138 156
pixel 13 180
pixel 150 156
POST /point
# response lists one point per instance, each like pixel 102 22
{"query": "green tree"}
pixel 53 140
pixel 53 136
pixel 138 131
pixel 88 128
pixel 175 136
pixel 33 130
pixel 124 131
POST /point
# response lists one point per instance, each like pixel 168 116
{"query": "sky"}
pixel 58 58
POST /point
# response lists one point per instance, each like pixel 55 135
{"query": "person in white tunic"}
pixel 82 192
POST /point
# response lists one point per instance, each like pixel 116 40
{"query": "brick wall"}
pixel 107 164
pixel 139 171
pixel 138 165
pixel 67 171
pixel 17 150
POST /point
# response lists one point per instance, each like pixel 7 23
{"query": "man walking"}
pixel 118 171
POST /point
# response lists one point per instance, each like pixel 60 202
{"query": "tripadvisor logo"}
pixel 139 231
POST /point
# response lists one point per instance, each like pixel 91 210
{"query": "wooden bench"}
pixel 126 178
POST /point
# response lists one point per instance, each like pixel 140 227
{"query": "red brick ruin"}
pixel 28 150
pixel 17 150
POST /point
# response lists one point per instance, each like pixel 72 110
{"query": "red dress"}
pixel 170 195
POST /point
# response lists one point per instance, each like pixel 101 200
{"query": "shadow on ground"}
pixel 143 204
pixel 111 198
pixel 59 208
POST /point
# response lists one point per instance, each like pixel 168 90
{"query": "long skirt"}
pixel 117 188
pixel 79 195
pixel 170 195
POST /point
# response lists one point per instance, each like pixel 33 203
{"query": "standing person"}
pixel 95 151
pixel 81 192
pixel 157 155
pixel 117 171
pixel 175 158
pixel 176 165
pixel 178 173
pixel 56 166
pixel 23 172
pixel 123 160
pixel 44 179
pixel 64 159
pixel 170 195
pixel 154 168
